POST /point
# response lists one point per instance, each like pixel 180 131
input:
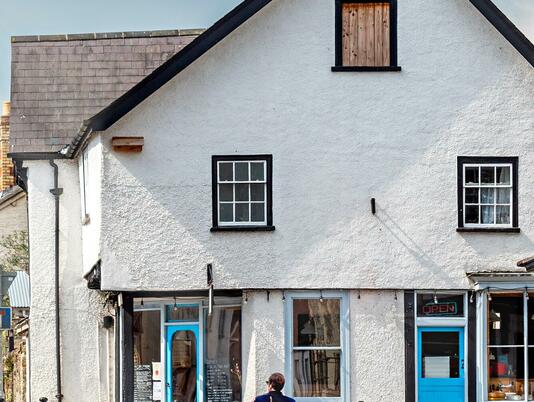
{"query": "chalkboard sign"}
pixel 143 383
pixel 219 386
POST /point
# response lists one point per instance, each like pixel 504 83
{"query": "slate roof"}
pixel 19 291
pixel 57 81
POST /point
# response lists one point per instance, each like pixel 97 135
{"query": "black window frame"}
pixel 268 159
pixel 514 161
pixel 393 56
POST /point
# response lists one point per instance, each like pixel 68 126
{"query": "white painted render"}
pixel 80 308
pixel 92 222
pixel 337 139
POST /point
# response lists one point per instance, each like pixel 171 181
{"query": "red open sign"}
pixel 440 309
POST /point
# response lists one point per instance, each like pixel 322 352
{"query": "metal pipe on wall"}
pixel 56 192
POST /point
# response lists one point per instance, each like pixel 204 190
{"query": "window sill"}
pixel 242 229
pixel 366 69
pixel 488 230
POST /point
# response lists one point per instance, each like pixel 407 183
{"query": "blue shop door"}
pixel 441 365
pixel 182 368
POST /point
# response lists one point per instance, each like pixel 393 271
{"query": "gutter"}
pixel 56 192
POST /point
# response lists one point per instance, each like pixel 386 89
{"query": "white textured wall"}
pixel 337 140
pixel 377 346
pixel 263 341
pixel 13 218
pixel 80 308
pixel 92 225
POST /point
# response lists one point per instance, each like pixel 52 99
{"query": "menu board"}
pixel 143 383
pixel 219 387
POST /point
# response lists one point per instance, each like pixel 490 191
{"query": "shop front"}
pixel 505 337
pixel 186 351
pixel 438 344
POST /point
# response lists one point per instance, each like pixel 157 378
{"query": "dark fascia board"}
pixel 506 27
pixel 35 156
pixel 164 73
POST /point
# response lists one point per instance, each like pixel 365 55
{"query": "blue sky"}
pixel 32 17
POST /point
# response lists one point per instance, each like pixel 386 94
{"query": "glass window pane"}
pixel 506 371
pixel 531 322
pixel 487 174
pixel 241 171
pixel 505 319
pixel 316 373
pixel 226 171
pixel 257 171
pixel 223 369
pixel 146 329
pixel 257 212
pixel 503 175
pixel 241 192
pixel 184 366
pixel 471 175
pixel 448 305
pixel 487 195
pixel 503 195
pixel 316 323
pixel 503 215
pixel 146 350
pixel 181 313
pixel 440 353
pixel 471 195
pixel 257 192
pixel 471 214
pixel 486 214
pixel 241 212
pixel 226 192
pixel 226 212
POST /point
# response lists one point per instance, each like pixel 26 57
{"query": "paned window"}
pixel 242 191
pixel 366 34
pixel 317 353
pixel 510 346
pixel 488 192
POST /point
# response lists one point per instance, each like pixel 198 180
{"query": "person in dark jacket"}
pixel 275 384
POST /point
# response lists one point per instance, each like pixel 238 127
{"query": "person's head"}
pixel 276 382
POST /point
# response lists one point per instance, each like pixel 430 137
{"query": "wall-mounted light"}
pixel 435 298
pixel 175 308
pixel 321 296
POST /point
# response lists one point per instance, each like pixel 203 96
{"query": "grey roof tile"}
pixel 60 80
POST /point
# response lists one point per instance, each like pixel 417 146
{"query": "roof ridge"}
pixel 107 35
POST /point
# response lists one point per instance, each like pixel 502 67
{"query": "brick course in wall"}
pixel 6 165
pixel 57 81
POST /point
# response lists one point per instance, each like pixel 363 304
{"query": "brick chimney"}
pixel 6 165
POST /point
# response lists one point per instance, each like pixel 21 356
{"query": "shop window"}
pixel 507 355
pixel 440 305
pixel 181 313
pixel 487 192
pixel 366 35
pixel 242 192
pixel 317 351
pixel 223 370
pixel 147 352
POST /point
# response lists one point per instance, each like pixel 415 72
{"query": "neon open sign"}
pixel 447 308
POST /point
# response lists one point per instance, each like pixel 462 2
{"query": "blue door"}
pixel 441 364
pixel 182 367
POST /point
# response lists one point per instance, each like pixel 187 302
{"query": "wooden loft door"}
pixel 366 34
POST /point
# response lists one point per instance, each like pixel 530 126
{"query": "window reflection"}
pixel 184 367
pixel 316 323
pixel 317 373
pixel 223 355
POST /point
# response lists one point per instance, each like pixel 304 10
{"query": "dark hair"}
pixel 277 381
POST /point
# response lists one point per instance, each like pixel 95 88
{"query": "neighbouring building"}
pixel 337 190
